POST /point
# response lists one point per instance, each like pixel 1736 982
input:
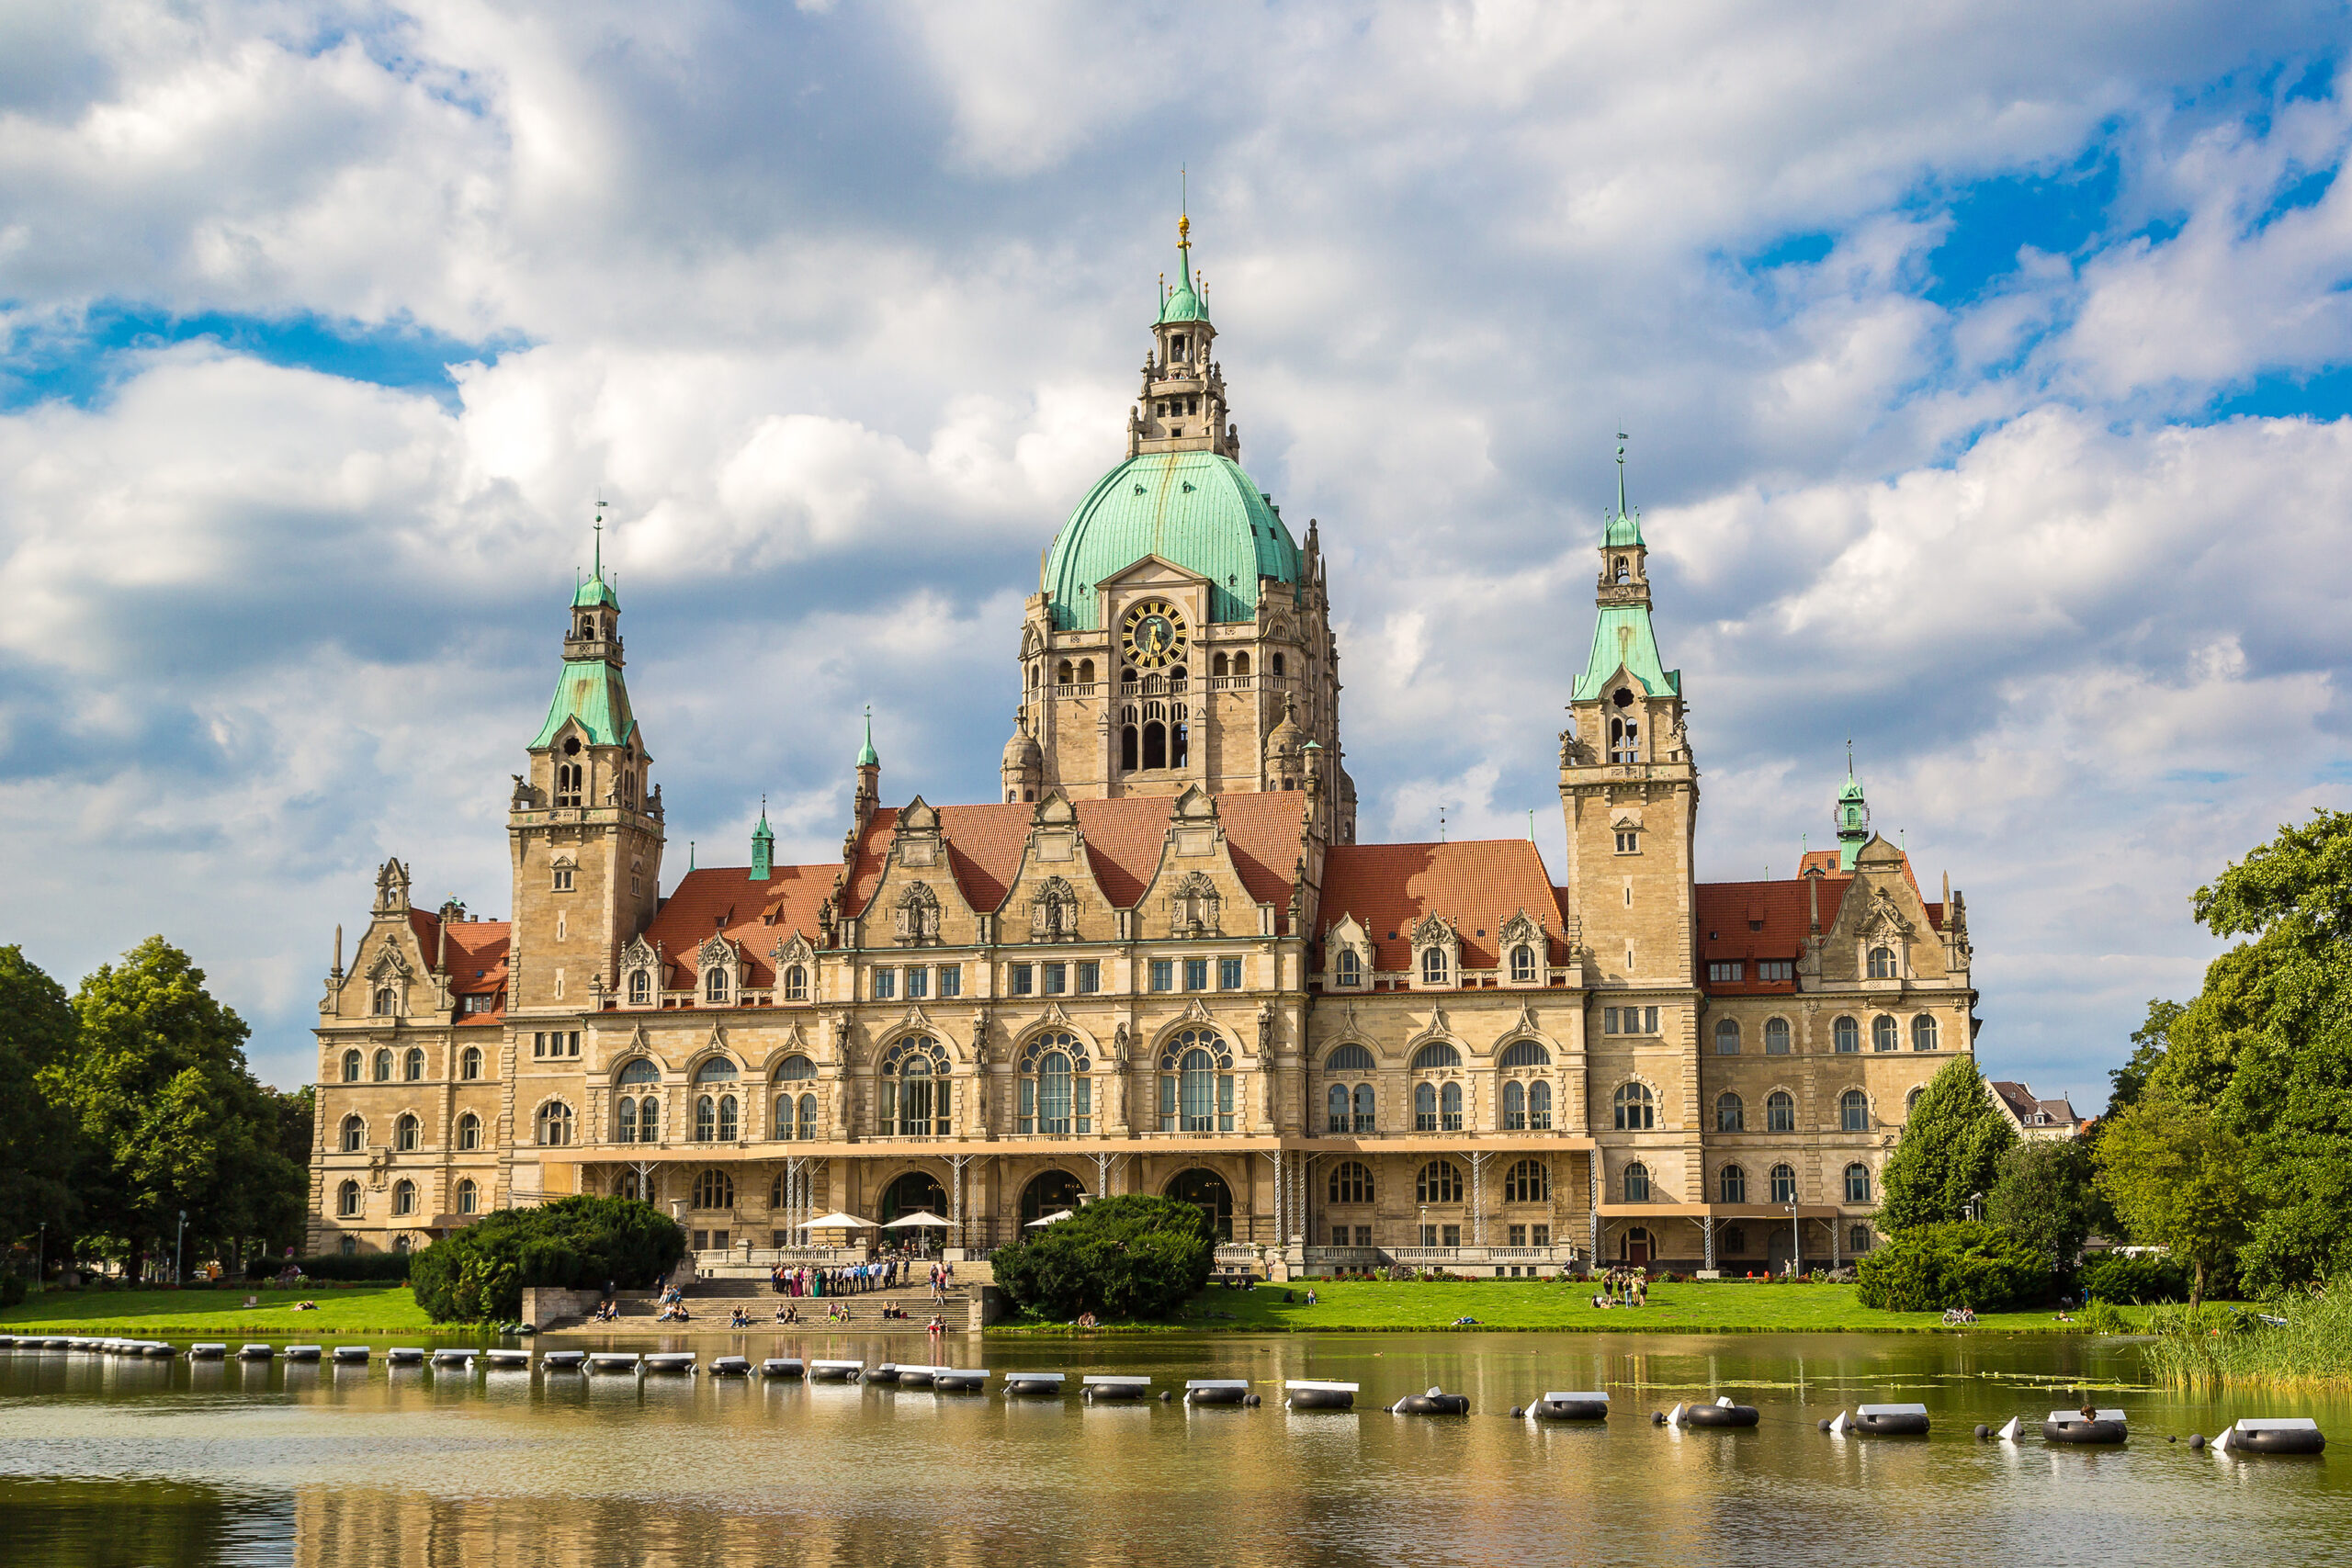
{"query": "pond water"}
pixel 105 1460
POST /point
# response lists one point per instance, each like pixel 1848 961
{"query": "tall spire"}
pixel 763 845
pixel 1623 637
pixel 1183 302
pixel 1853 817
pixel 866 756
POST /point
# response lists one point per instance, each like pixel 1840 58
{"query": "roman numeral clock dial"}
pixel 1152 636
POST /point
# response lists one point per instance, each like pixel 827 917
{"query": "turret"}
pixel 1853 817
pixel 763 846
pixel 870 775
pixel 1024 764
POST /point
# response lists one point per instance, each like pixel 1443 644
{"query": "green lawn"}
pixel 1695 1308
pixel 365 1309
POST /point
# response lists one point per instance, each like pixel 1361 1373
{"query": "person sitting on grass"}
pixel 739 1318
pixel 1088 1320
pixel 1311 1295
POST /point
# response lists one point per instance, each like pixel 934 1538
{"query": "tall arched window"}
pixel 1349 968
pixel 1881 964
pixel 468 1196
pixel 1196 1083
pixel 351 1067
pixel 714 986
pixel 714 1188
pixel 1885 1034
pixel 413 1069
pixel 1434 966
pixel 914 1088
pixel 1636 1112
pixel 716 1114
pixel 468 1131
pixel 1779 1112
pixel 1425 1107
pixel 1335 1109
pixel 624 1119
pixel 730 1120
pixel 1731 1183
pixel 554 1124
pixel 640 988
pixel 1776 1037
pixel 1367 1119
pixel 1539 1106
pixel 1848 1036
pixel 1449 1112
pixel 1350 1182
pixel 1514 1105
pixel 1785 1184
pixel 1854 1111
pixel 1057 1096
pixel 355 1135
pixel 1523 964
pixel 808 1116
pixel 795 984
pixel 1858 1183
pixel 383 1067
pixel 1637 1183
pixel 1726 1037
pixel 469 1064
pixel 1529 1181
pixel 404 1135
pixel 403 1197
pixel 1923 1033
pixel 1731 1114
pixel 346 1200
pixel 1439 1181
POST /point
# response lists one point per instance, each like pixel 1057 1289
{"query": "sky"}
pixel 1987 370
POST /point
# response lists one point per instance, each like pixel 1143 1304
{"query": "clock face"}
pixel 1152 636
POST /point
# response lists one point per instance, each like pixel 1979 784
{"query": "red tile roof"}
pixel 1757 921
pixel 476 952
pixel 1476 884
pixel 757 915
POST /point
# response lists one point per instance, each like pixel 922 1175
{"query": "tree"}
pixel 36 1142
pixel 1949 1151
pixel 2046 1196
pixel 2148 1044
pixel 1931 1268
pixel 572 1244
pixel 2175 1176
pixel 171 1119
pixel 1120 1258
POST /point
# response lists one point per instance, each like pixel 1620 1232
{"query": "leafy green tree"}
pixel 2046 1195
pixel 2175 1176
pixel 1933 1267
pixel 2148 1044
pixel 1949 1151
pixel 480 1273
pixel 36 1142
pixel 1120 1258
pixel 171 1118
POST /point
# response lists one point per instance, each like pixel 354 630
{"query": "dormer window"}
pixel 1881 964
pixel 1434 966
pixel 714 986
pixel 640 988
pixel 1349 969
pixel 1523 964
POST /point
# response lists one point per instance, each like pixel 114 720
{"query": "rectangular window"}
pixel 1776 969
pixel 1339 1235
pixel 1224 1102
pixel 1363 1236
pixel 1023 979
pixel 1541 1236
pixel 1163 975
pixel 1609 1021
pixel 1090 977
pixel 538 1043
pixel 563 879
pixel 574 1049
pixel 886 985
pixel 918 983
pixel 1228 973
pixel 718 1240
pixel 1057 978
pixel 950 980
pixel 702 1241
pixel 1517 1236
pixel 1428 1235
pixel 1719 974
pixel 1449 1236
pixel 1196 974
pixel 1628 843
pixel 1168 1102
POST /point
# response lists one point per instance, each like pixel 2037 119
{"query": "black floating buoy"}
pixel 1982 1431
pixel 1516 1413
pixel 1253 1399
pixel 1166 1395
pixel 1658 1418
pixel 1824 1423
pixel 2170 1439
pixel 2196 1440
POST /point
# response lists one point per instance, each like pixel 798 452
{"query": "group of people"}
pixel 673 1307
pixel 1622 1288
pixel 854 1279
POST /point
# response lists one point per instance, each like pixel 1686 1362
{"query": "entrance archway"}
pixel 1206 1188
pixel 1637 1247
pixel 914 1192
pixel 1049 1193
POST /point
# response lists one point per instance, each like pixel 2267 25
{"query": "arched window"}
pixel 1277 666
pixel 1514 1105
pixel 469 1064
pixel 1335 1109
pixel 1881 964
pixel 914 1088
pixel 730 1124
pixel 1057 1096
pixel 1217 666
pixel 385 1003
pixel 1885 1034
pixel 1911 1100
pixel 715 1114
pixel 403 1197
pixel 468 1131
pixel 1065 674
pixel 403 1245
pixel 1529 1181
pixel 706 1118
pixel 1086 672
pixel 355 1135
pixel 1155 745
pixel 1854 1111
pixel 1779 1112
pixel 346 1200
pixel 1636 1112
pixel 351 1067
pixel 1425 1107
pixel 1523 964
pixel 714 986
pixel 795 984
pixel 1526 1053
pixel 714 1188
pixel 1923 1033
pixel 639 1069
pixel 468 1196
pixel 795 1068
pixel 640 988
pixel 1129 756
pixel 1350 1182
pixel 404 1135
pixel 413 1069
pixel 1731 1114
pixel 1350 1058
pixel 1449 1115
pixel 1349 968
pixel 1848 1036
pixel 1366 1120
pixel 1436 1056
pixel 1240 664
pixel 554 1124
pixel 1858 1183
pixel 1726 1037
pixel 624 1119
pixel 1637 1183
pixel 1196 1083
pixel 808 1116
pixel 1539 1106
pixel 1785 1184
pixel 1621 572
pixel 1776 1037
pixel 1439 1181
pixel 1434 966
pixel 1731 1183
pixel 383 1067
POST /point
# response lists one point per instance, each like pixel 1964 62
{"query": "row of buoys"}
pixel 87 1345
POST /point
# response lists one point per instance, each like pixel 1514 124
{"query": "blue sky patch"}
pixel 2319 395
pixel 1991 221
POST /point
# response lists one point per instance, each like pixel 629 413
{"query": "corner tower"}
pixel 584 825
pixel 1177 619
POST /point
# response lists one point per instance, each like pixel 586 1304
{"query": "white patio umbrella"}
pixel 837 1220
pixel 1050 1219
pixel 921 1217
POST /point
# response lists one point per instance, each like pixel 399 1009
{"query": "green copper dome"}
pixel 596 590
pixel 1198 510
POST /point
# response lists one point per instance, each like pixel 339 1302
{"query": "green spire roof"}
pixel 1183 304
pixel 596 591
pixel 1199 510
pixel 1624 637
pixel 866 757
pixel 590 691
pixel 1624 526
pixel 763 845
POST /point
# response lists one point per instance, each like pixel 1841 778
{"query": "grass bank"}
pixel 363 1309
pixel 1726 1307
pixel 2222 1346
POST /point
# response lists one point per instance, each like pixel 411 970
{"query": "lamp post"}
pixel 1796 1243
pixel 41 1258
pixel 1974 1207
pixel 179 1274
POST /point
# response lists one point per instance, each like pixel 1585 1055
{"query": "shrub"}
pixel 2101 1317
pixel 1120 1258
pixel 12 1289
pixel 377 1266
pixel 2150 1277
pixel 1933 1267
pixel 574 1243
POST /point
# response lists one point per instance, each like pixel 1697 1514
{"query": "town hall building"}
pixel 1159 961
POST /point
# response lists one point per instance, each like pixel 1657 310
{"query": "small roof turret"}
pixel 866 756
pixel 1183 303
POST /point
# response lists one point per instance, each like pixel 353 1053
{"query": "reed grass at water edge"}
pixel 2308 1347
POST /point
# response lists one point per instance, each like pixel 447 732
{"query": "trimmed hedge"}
pixel 1121 1258
pixel 2149 1278
pixel 1934 1267
pixel 375 1266
pixel 573 1243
